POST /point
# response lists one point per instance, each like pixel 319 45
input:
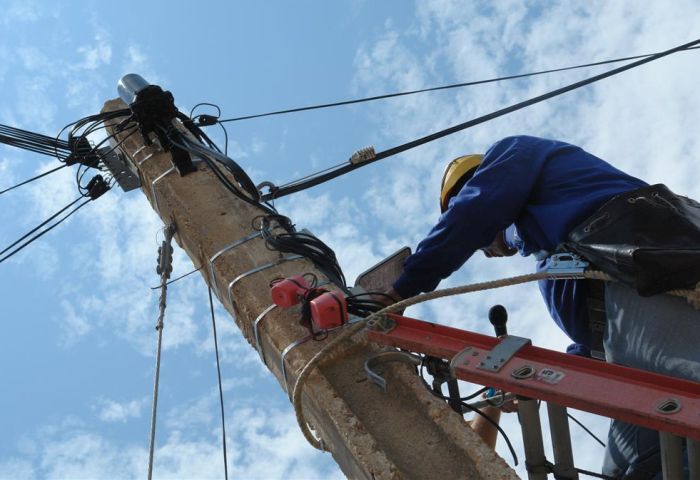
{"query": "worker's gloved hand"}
pixel 499 247
pixel 506 402
pixel 388 297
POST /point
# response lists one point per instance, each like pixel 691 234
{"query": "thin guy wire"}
pixel 221 390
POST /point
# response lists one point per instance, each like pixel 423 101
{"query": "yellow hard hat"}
pixel 456 170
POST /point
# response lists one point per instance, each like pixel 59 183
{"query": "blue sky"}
pixel 78 314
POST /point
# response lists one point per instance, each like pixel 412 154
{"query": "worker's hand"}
pixel 510 406
pixel 505 402
pixel 388 297
pixel 499 247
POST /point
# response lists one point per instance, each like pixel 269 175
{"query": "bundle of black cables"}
pixel 364 304
pixel 242 186
pixel 299 243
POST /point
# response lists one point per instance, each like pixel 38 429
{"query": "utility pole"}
pixel 403 432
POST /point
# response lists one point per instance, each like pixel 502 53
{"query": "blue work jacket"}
pixel 536 189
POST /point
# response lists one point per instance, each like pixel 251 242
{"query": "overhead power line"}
pixel 346 167
pixel 29 180
pixel 432 89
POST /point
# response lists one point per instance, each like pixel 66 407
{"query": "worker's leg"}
pixel 660 334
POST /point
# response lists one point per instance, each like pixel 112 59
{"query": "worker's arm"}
pixel 488 203
pixel 485 429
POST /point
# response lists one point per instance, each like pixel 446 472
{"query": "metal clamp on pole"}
pixel 385 357
pixel 257 270
pixel 286 351
pixel 256 331
pixel 153 186
pixel 227 248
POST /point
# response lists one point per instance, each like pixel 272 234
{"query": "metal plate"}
pixel 504 351
pixel 381 276
pixel 120 169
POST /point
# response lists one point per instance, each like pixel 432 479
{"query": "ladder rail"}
pixel 631 395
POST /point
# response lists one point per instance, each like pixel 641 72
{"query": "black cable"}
pixel 24 182
pixel 594 474
pixel 47 230
pixel 83 169
pixel 497 426
pixel 431 89
pixel 585 429
pixel 245 184
pixel 301 243
pixel 347 167
pixel 32 141
pixel 41 224
pixel 439 394
pixel 221 390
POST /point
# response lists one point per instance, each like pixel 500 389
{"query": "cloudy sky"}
pixel 77 348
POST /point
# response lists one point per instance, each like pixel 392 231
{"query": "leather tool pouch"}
pixel 647 238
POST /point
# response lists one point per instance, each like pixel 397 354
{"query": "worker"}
pixel 527 195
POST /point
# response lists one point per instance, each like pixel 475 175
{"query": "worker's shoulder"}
pixel 526 145
pixel 523 141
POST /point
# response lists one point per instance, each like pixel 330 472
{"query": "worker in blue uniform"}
pixel 526 195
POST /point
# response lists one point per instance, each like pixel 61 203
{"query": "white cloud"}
pixel 21 12
pixel 97 54
pixel 113 411
pixel 262 444
pixel 16 468
pixel 74 326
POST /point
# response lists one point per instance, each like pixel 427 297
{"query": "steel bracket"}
pixel 385 357
pixel 121 168
pixel 566 264
pixel 382 323
pixel 502 352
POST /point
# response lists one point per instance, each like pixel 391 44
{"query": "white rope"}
pixel 164 268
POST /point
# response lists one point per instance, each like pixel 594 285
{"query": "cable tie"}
pixel 363 155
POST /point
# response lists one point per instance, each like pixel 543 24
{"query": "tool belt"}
pixel 647 238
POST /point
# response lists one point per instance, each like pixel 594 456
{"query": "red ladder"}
pixel 669 405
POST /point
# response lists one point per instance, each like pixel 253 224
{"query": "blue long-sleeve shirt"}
pixel 543 189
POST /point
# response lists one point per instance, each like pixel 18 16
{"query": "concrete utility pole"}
pixel 402 433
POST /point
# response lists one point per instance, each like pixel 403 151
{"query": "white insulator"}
pixel 363 155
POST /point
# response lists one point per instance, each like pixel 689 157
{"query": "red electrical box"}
pixel 329 310
pixel 288 292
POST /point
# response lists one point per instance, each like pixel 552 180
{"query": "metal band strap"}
pixel 256 270
pixel 153 185
pixel 256 331
pixel 288 349
pixel 228 247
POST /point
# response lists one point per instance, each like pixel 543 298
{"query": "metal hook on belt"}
pixel 385 357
